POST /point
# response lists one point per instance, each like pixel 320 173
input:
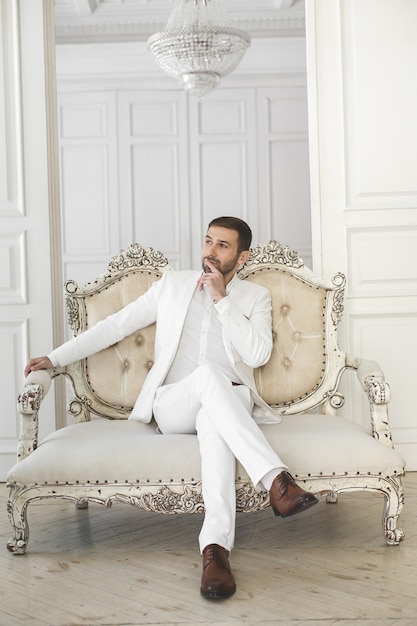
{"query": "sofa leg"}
pixel 394 501
pixel 17 544
pixel 332 497
pixel 18 520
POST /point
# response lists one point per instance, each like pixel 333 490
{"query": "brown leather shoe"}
pixel 287 498
pixel 217 581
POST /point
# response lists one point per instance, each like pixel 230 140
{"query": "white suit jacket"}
pixel 245 316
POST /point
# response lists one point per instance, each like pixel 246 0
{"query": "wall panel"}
pixel 284 167
pixel 380 100
pixel 288 163
pixel 156 206
pixel 89 183
pixel 13 338
pixel 153 118
pixel 27 178
pixel 382 261
pixel 12 268
pixel 221 116
pixel 86 207
pixel 223 156
pixel 363 127
pixel 223 189
pixel 83 119
pixel 181 161
pixel 390 339
pixel 153 170
pixel 11 165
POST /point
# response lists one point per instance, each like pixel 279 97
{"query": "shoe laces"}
pixel 285 482
pixel 213 552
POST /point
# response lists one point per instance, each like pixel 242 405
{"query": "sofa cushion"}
pixel 116 374
pixel 325 445
pixel 298 356
pixel 122 451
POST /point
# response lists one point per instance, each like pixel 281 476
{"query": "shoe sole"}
pixel 216 596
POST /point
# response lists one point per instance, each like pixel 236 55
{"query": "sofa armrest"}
pixel 36 387
pixel 372 379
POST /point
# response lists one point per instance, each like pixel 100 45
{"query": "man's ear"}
pixel 244 256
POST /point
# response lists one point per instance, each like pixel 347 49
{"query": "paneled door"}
pixel 29 207
pixel 153 172
pixel 362 85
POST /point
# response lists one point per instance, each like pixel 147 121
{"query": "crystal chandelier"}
pixel 197 46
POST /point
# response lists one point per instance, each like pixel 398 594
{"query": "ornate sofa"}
pixel 102 460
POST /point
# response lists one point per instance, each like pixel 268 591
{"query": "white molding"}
pixel 11 158
pixel 12 268
pixel 126 66
pixel 136 20
pixel 377 177
pixel 53 193
pixel 383 262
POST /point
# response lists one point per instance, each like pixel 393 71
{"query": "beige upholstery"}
pixel 119 459
pixel 117 374
pixel 297 360
pixel 65 455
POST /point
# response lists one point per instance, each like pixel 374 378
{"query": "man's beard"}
pixel 225 269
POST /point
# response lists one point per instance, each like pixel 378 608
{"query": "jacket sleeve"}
pixel 134 316
pixel 249 332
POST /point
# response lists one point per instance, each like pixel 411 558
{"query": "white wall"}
pixel 143 161
pixel 363 139
pixel 29 208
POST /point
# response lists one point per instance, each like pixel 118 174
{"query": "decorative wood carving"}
pixel 339 281
pixel 275 252
pixel 136 256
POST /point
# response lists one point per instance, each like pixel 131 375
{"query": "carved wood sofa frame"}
pixel 115 459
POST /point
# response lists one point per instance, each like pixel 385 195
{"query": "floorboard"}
pixel 122 567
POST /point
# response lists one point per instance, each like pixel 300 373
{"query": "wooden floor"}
pixel 122 566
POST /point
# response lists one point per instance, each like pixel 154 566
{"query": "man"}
pixel 212 330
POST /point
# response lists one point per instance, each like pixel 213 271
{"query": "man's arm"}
pixel 105 333
pixel 247 323
pixel 250 334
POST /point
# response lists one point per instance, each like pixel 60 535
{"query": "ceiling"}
pixel 128 20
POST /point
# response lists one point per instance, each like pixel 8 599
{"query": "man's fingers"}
pixel 37 364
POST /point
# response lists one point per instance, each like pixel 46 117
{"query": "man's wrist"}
pixel 218 299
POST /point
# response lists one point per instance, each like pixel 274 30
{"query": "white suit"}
pixel 221 412
pixel 246 333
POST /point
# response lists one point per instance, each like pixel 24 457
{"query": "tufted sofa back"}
pixel 297 364
pixel 300 374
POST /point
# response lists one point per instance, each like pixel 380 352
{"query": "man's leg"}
pixel 177 406
pixel 207 402
pixel 218 463
pixel 218 466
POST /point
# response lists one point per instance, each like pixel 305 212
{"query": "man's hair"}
pixel 235 223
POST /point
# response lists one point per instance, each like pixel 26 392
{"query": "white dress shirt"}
pixel 202 338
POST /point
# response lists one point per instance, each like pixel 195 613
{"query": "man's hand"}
pixel 39 363
pixel 213 280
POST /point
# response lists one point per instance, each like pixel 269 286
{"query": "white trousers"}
pixel 206 403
